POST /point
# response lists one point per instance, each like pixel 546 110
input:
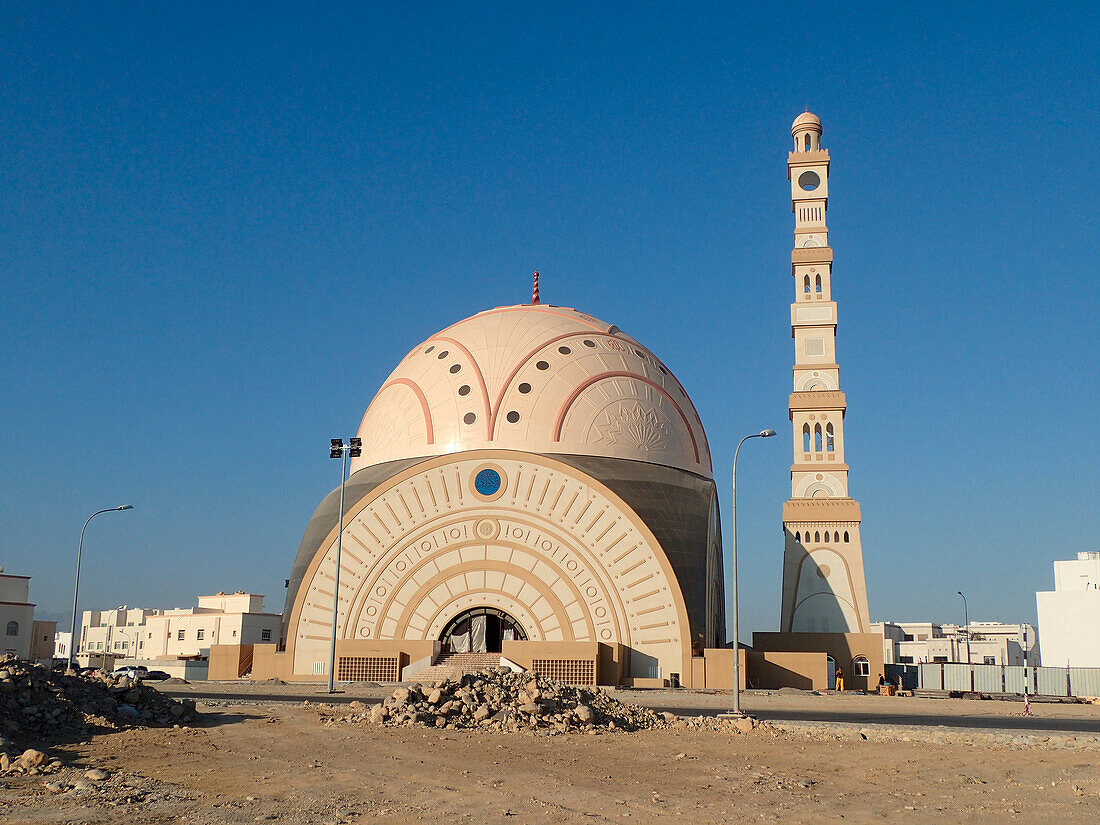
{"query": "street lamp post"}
pixel 966 619
pixel 338 449
pixel 73 641
pixel 733 559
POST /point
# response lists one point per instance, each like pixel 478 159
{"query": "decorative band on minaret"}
pixel 823 581
pixel 535 291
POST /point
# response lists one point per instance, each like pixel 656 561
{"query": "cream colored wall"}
pixel 843 647
pixel 555 549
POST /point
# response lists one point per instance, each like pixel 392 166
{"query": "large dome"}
pixel 535 378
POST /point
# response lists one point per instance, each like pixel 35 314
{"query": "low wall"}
pixel 773 670
pixel 844 648
pixel 716 669
pixel 269 663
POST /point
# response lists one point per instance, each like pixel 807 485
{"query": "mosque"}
pixel 535 489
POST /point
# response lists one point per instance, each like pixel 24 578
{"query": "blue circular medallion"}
pixel 487 482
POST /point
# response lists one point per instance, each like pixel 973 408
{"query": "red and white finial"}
pixel 535 291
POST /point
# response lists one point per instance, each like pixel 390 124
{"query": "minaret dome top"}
pixel 806 131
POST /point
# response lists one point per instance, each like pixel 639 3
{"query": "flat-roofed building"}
pixel 1069 615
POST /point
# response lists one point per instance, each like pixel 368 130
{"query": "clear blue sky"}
pixel 221 229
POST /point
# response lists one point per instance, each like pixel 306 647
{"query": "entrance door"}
pixel 480 630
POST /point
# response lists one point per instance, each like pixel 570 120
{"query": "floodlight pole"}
pixel 338 449
pixel 73 641
pixel 966 619
pixel 736 710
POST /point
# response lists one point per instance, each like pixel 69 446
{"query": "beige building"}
pixel 990 643
pixel 536 485
pixel 177 633
pixel 16 615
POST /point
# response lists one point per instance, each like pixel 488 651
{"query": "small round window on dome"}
pixel 464 389
pixel 589 343
pixel 513 417
pixel 469 418
pixel 542 365
pixel 639 353
pixel 525 388
pixel 662 367
pixel 429 349
pixel 564 350
pixel 455 368
pixel 442 355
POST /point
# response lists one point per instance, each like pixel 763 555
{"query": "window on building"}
pixel 989 660
pixel 265 635
pixel 940 660
pixel 817 438
pixel 817 284
pixel 180 635
pixel 905 660
pixel 200 635
pixel 829 437
pixel 860 666
pixel 12 629
pixel 234 634
pixel 125 645
pixel 805 438
pixel 907 637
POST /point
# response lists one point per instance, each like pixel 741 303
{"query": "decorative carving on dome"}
pixel 629 425
pixel 511 377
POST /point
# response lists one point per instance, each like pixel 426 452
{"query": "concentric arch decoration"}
pixel 552 547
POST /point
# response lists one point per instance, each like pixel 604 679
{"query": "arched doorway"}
pixel 480 630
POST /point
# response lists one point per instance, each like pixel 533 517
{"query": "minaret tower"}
pixel 823 584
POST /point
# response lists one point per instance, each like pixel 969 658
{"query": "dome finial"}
pixel 535 291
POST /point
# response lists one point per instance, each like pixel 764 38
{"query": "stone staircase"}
pixel 454 665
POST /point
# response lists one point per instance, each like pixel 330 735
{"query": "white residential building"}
pixel 179 633
pixel 16 615
pixel 990 643
pixel 1069 615
pixel 62 642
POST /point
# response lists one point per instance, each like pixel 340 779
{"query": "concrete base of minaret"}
pixel 824 589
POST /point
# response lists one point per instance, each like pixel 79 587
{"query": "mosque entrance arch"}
pixel 481 630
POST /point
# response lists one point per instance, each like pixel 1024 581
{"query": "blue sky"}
pixel 221 229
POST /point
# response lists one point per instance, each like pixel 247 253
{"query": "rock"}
pixel 482 713
pixel 583 713
pixel 435 696
pixel 744 724
pixel 97 775
pixel 56 786
pixel 33 759
pixel 357 706
pixel 377 713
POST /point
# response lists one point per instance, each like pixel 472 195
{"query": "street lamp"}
pixel 966 618
pixel 733 558
pixel 76 588
pixel 338 449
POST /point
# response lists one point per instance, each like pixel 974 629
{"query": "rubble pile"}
pixel 506 701
pixel 37 704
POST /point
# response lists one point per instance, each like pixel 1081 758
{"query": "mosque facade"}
pixel 535 485
pixel 535 491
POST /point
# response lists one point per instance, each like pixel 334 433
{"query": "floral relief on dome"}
pixel 628 425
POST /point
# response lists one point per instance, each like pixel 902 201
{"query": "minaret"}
pixel 823 585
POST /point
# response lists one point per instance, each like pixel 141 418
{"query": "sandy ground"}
pixel 261 761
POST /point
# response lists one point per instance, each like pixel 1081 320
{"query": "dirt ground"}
pixel 281 762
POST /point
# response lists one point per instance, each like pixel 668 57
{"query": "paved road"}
pixel 1008 720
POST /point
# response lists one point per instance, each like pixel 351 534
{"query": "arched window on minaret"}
pixel 807 285
pixel 807 141
pixel 836 536
pixel 817 438
pixel 817 285
pixel 817 535
pixel 797 538
pixel 805 438
pixel 845 535
pixel 829 438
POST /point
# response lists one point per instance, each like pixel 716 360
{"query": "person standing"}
pixel 839 680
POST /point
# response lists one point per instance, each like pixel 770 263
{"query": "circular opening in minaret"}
pixel 809 181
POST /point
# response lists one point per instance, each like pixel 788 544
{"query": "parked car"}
pixel 134 672
pixel 156 676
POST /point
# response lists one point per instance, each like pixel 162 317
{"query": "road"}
pixel 851 709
